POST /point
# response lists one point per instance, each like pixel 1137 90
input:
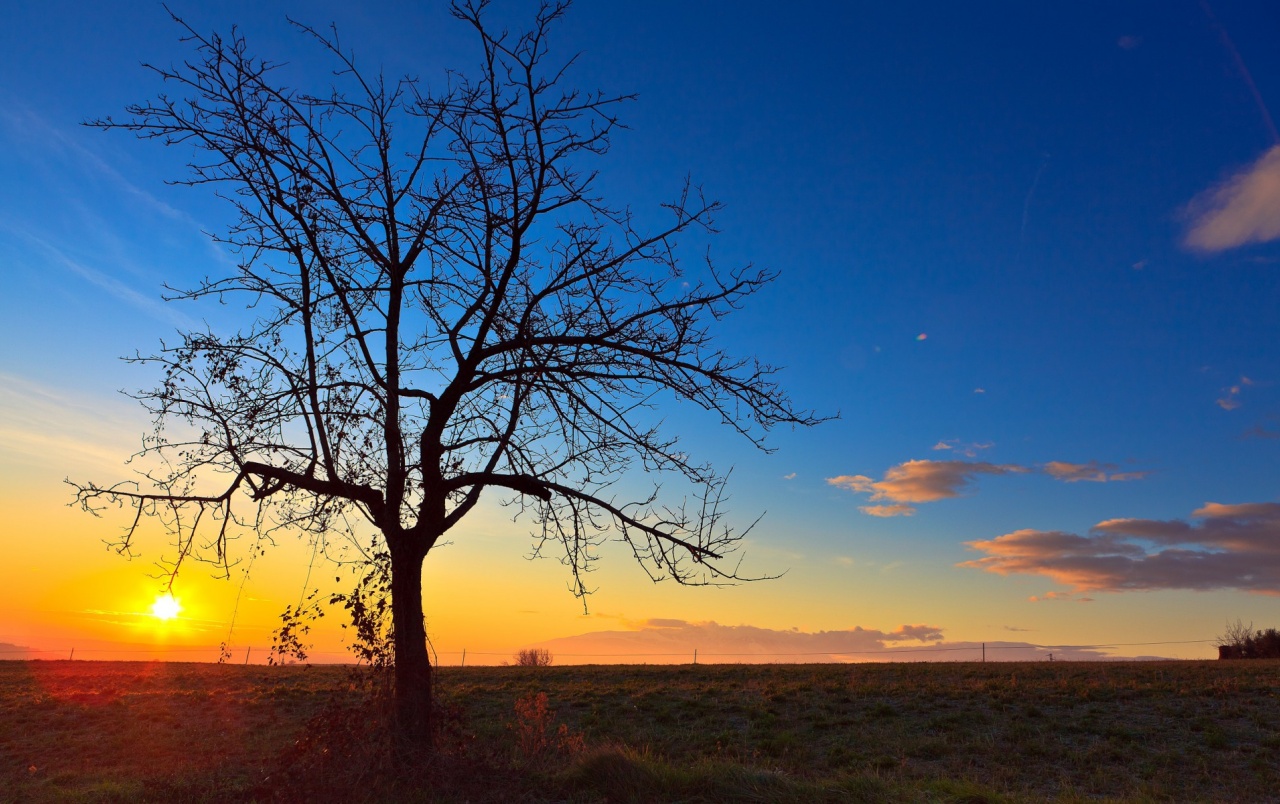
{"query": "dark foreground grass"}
pixel 1178 731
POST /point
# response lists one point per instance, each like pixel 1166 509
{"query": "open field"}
pixel 106 731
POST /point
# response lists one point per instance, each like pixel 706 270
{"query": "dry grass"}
pixel 928 732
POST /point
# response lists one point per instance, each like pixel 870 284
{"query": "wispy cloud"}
pixel 70 170
pixel 1261 430
pixel 39 133
pixel 1069 596
pixel 1093 472
pixel 1241 210
pixel 53 427
pixel 1230 399
pixel 969 450
pixel 154 306
pixel 1230 547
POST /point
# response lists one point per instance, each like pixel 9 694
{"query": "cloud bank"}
pixel 662 640
pixel 1230 547
pixel 1241 210
pixel 674 641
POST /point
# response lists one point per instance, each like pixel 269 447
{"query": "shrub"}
pixel 538 735
pixel 533 657
pixel 1241 642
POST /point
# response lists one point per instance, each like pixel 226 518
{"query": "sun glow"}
pixel 165 607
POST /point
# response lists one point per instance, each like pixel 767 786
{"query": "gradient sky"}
pixel 1028 252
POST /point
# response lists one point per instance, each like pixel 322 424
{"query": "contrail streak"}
pixel 1244 72
pixel 1026 205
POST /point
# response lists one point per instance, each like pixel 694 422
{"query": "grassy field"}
pixel 106 731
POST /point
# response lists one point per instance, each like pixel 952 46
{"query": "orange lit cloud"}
pixel 929 481
pixel 1093 471
pixel 921 481
pixel 1241 210
pixel 1230 547
pixel 897 509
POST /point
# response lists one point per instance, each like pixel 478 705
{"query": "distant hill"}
pixel 8 650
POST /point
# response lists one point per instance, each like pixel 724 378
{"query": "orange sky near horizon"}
pixel 61 588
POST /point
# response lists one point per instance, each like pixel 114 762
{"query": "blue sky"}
pixel 1034 246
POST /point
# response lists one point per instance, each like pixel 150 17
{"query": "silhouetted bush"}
pixel 1241 642
pixel 533 657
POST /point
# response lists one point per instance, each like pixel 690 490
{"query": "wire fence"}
pixel 976 651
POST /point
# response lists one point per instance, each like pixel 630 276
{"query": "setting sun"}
pixel 165 607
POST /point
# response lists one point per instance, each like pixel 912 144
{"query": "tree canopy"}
pixel 444 305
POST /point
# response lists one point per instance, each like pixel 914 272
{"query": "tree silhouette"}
pixel 444 306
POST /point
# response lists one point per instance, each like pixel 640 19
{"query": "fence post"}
pixel 695 655
pixel 984 652
pixel 73 654
pixel 246 654
pixel 464 657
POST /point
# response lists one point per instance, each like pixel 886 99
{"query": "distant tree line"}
pixel 1242 642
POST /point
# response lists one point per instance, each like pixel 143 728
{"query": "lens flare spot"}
pixel 165 607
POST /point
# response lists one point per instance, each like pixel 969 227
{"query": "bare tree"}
pixel 444 306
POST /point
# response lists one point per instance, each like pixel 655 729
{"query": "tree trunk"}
pixel 413 671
